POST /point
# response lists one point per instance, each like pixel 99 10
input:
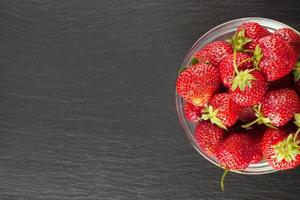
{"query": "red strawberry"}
pixel 256 135
pixel 192 112
pixel 208 136
pixel 214 52
pixel 277 108
pixel 236 151
pixel 253 94
pixel 242 60
pixel 247 114
pixel 221 111
pixel 290 37
pixel 247 36
pixel 281 150
pixel 274 57
pixel 198 83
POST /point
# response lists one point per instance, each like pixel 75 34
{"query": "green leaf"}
pixel 257 56
pixel 297 120
pixel 210 114
pixel 181 69
pixel 194 61
pixel 238 41
pixel 242 80
pixel 296 72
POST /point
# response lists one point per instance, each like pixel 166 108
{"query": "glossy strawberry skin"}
pixel 236 151
pixel 192 112
pixel 251 95
pixel 198 83
pixel 228 110
pixel 214 52
pixel 256 135
pixel 270 138
pixel 290 37
pixel 227 67
pixel 253 31
pixel 247 114
pixel 208 136
pixel 279 58
pixel 280 105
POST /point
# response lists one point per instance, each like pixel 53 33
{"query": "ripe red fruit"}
pixel 251 95
pixel 277 108
pixel 247 36
pixel 214 52
pixel 208 136
pixel 275 57
pixel 222 111
pixel 226 66
pixel 192 112
pixel 198 83
pixel 256 135
pixel 236 151
pixel 281 150
pixel 247 114
pixel 290 37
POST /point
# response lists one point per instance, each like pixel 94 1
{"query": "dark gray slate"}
pixel 87 101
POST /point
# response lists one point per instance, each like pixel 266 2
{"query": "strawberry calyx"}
pixel 296 72
pixel 297 120
pixel 288 148
pixel 260 119
pixel 241 78
pixel 257 56
pixel 238 41
pixel 210 114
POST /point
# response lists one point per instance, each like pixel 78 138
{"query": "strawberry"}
pixel 222 111
pixel 247 36
pixel 243 61
pixel 290 36
pixel 277 108
pixel 247 114
pixel 256 135
pixel 274 57
pixel 214 52
pixel 236 151
pixel 208 136
pixel 198 83
pixel 192 112
pixel 253 92
pixel 281 150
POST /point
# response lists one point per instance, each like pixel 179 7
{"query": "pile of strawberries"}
pixel 243 95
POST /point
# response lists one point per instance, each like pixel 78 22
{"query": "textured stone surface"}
pixel 87 101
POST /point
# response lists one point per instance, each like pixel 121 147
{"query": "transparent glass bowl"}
pixel 222 32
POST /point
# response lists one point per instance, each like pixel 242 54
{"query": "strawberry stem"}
pixel 223 178
pixel 260 119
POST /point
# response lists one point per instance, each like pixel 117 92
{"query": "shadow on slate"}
pixel 87 101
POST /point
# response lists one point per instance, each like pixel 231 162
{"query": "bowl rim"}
pixel 179 100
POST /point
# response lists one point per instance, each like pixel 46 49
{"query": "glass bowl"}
pixel 222 32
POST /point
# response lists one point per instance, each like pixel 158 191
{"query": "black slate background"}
pixel 87 101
